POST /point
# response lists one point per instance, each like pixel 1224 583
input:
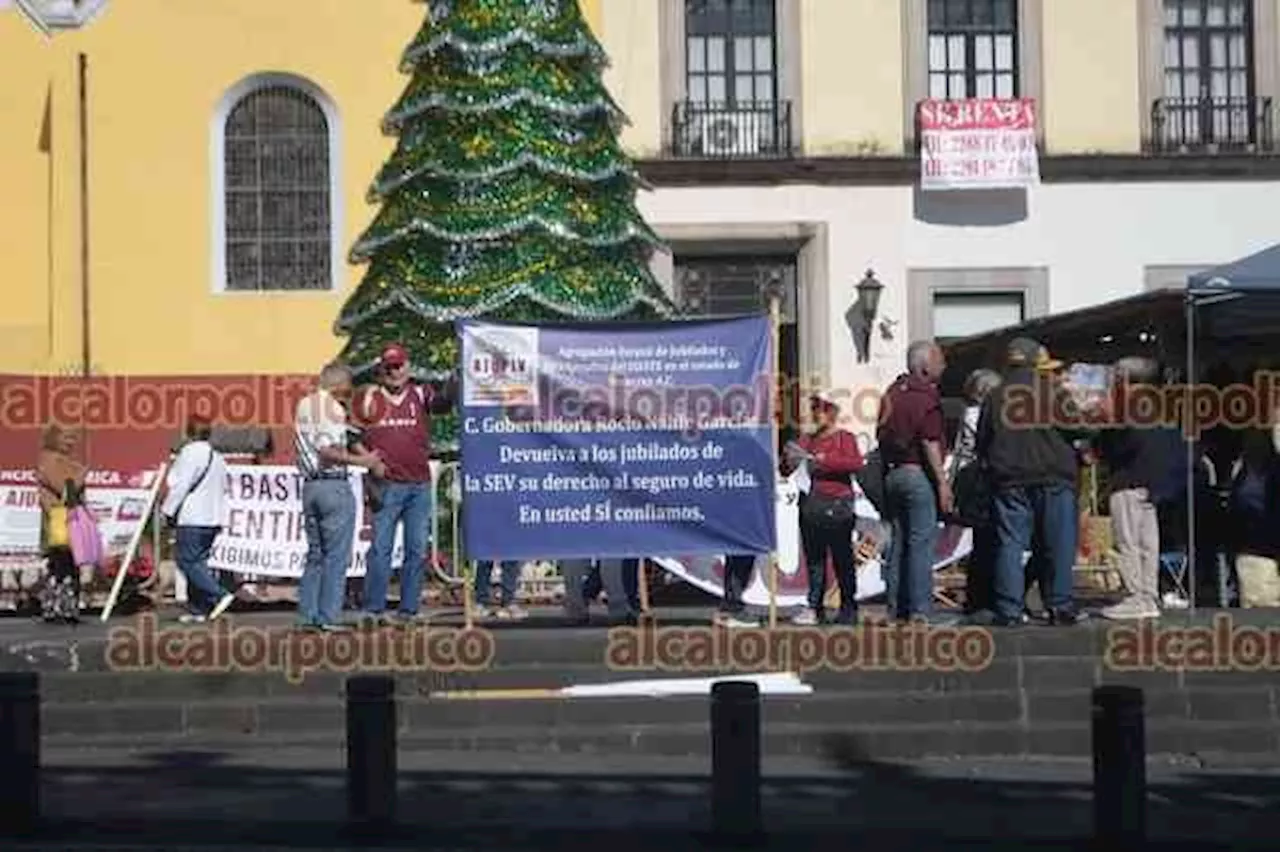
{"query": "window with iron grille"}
pixel 277 192
pixel 724 286
pixel 973 49
pixel 1208 70
pixel 731 52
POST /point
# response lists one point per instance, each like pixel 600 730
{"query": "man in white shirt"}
pixel 196 506
pixel 321 439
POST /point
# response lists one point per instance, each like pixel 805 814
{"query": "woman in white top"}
pixel 980 573
pixel 196 506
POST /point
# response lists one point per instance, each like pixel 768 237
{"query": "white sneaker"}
pixel 726 619
pixel 224 603
pixel 1173 600
pixel 805 618
pixel 191 618
pixel 1129 610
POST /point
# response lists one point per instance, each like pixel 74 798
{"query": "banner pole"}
pixel 135 541
pixel 775 322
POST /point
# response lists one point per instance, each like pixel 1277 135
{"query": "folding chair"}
pixel 1175 566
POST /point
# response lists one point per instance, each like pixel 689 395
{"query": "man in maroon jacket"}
pixel 396 416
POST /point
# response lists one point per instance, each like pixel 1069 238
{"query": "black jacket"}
pixel 1154 459
pixel 1019 454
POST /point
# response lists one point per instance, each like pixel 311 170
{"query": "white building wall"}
pixel 1094 239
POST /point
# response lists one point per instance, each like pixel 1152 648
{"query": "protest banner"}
pixel 617 440
pixel 117 500
pixel 707 572
pixel 265 533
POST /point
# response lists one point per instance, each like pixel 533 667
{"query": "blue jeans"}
pixel 911 509
pixel 329 517
pixel 509 580
pixel 193 545
pixel 1045 515
pixel 409 502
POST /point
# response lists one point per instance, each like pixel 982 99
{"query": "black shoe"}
pixel 988 618
pixel 1065 617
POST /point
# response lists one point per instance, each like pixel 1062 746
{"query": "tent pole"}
pixel 1189 439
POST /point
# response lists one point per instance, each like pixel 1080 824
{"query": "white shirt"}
pixel 205 503
pixel 319 422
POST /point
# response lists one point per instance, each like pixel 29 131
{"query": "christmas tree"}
pixel 507 197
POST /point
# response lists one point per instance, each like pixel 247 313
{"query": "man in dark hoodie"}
pixel 1033 471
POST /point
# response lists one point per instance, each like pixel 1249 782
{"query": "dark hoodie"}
pixel 1022 454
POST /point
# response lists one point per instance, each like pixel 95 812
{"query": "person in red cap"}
pixel 827 516
pixel 396 419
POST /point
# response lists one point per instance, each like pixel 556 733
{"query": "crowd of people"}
pixel 1013 482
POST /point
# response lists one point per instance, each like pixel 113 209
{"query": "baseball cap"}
pixel 824 399
pixel 1025 352
pixel 394 356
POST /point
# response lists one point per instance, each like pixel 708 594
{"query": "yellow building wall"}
pixel 26 268
pixel 630 31
pixel 1091 77
pixel 851 55
pixel 156 71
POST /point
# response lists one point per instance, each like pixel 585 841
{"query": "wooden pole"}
pixel 86 350
pixel 775 323
pixel 135 541
pixel 642 585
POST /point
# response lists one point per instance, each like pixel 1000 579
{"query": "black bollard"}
pixel 371 751
pixel 735 760
pixel 19 752
pixel 1119 766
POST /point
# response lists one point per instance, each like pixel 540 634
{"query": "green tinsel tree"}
pixel 508 195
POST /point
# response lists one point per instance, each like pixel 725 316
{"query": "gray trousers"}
pixel 575 573
pixel 1136 530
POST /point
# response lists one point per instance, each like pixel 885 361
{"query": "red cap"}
pixel 394 356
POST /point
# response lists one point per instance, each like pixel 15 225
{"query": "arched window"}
pixel 276 222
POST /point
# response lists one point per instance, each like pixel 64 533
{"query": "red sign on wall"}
pixel 978 144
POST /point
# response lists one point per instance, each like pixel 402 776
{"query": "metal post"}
pixel 19 752
pixel 371 751
pixel 735 759
pixel 1119 765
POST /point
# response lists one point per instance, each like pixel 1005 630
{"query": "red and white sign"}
pixel 978 144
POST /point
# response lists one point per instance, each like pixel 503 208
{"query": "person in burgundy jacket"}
pixel 827 510
pixel 396 420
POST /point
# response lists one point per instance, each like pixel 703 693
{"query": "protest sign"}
pixel 614 441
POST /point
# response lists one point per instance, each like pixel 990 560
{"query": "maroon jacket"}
pixel 841 459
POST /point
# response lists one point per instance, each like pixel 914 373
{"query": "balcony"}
pixel 712 131
pixel 1211 125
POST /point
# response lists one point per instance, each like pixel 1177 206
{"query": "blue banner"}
pixel 617 440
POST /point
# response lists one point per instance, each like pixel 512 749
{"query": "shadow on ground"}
pixel 181 799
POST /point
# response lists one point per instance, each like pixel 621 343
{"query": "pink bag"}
pixel 86 540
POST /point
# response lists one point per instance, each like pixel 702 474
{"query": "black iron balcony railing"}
pixel 1210 125
pixel 717 131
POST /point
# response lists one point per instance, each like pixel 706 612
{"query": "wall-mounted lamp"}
pixel 863 314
